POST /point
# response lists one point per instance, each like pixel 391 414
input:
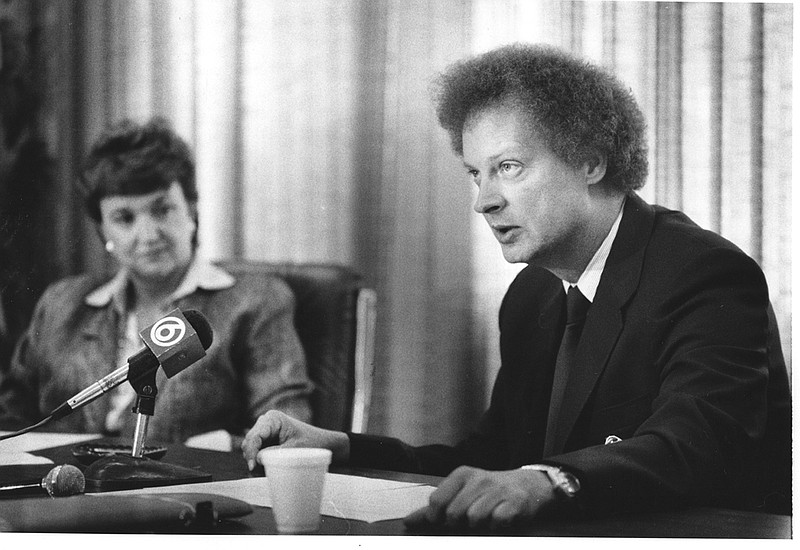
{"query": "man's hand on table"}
pixel 276 428
pixel 480 499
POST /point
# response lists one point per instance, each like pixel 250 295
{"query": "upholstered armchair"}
pixel 335 320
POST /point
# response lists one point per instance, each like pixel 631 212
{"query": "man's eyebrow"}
pixel 492 159
pixel 512 149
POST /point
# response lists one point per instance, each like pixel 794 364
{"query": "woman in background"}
pixel 139 183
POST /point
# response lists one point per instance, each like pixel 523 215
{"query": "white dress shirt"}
pixel 590 278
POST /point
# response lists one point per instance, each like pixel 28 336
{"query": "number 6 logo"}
pixel 168 331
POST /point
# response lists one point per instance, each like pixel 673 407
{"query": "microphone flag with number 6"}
pixel 173 342
pixel 163 336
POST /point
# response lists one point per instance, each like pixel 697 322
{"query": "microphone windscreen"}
pixel 64 480
pixel 201 327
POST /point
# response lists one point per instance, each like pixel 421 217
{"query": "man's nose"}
pixel 489 198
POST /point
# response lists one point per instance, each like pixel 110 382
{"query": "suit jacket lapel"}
pixel 604 321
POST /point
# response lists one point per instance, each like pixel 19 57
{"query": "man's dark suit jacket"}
pixel 679 360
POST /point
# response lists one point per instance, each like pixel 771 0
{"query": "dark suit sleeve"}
pixel 485 447
pixel 709 350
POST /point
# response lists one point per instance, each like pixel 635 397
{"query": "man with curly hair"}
pixel 641 364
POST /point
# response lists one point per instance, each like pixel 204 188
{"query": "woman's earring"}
pixel 109 247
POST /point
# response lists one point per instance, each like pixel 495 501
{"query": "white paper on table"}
pixel 344 496
pixel 33 441
pixel 14 459
pixel 370 500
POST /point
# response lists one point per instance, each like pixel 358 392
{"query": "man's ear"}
pixel 595 168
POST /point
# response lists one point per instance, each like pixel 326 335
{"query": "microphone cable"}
pixel 39 424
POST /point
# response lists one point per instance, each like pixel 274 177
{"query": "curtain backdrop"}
pixel 316 141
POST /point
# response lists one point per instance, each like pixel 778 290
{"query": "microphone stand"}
pixel 146 390
pixel 121 472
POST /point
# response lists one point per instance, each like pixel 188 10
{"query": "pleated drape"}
pixel 316 141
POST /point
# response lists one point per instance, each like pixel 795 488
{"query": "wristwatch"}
pixel 565 483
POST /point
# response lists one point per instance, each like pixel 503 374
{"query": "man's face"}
pixel 534 202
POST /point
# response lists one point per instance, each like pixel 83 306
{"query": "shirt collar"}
pixel 590 278
pixel 201 274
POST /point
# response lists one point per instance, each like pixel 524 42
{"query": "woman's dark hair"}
pixel 134 159
pixel 579 109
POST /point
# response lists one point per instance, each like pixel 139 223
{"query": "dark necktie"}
pixel 577 307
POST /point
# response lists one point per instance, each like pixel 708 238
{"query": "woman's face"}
pixel 150 234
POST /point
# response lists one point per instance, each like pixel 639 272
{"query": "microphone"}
pixel 173 342
pixel 62 481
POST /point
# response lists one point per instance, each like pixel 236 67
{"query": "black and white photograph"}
pixel 349 271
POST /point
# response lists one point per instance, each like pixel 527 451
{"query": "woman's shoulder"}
pixel 63 302
pixel 258 283
pixel 256 290
pixel 74 288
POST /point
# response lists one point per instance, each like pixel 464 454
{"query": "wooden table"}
pixel 693 522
